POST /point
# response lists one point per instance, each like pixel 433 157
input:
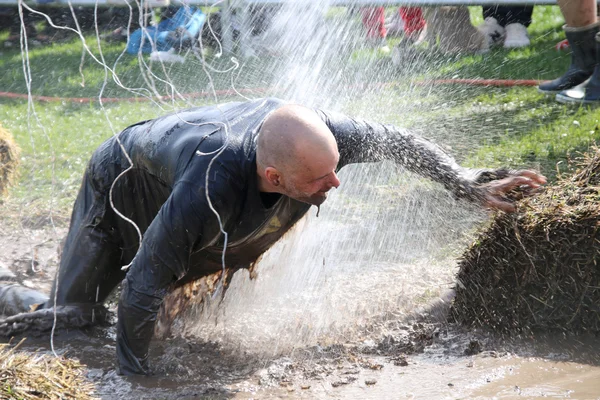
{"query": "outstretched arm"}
pixel 362 141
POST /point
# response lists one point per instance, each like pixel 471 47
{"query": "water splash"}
pixel 381 242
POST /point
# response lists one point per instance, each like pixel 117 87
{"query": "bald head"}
pixel 293 135
pixel 295 147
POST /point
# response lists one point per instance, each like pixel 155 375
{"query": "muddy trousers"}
pixel 91 258
pixel 99 243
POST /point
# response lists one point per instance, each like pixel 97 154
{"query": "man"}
pixel 210 178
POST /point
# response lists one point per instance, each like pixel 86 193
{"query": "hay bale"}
pixel 9 159
pixel 537 269
pixel 26 375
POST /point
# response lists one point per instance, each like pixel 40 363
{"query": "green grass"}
pixel 56 142
pixel 515 127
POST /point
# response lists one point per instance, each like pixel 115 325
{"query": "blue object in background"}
pixel 184 26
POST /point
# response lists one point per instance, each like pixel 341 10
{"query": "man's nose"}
pixel 335 182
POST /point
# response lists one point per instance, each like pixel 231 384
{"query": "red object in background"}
pixel 413 20
pixel 373 19
pixel 562 45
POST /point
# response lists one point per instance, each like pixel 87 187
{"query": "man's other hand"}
pixel 495 191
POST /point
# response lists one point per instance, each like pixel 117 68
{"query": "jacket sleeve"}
pixel 184 223
pixel 362 141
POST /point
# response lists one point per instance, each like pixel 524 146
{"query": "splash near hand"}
pixel 507 186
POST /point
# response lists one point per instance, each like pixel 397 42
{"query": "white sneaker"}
pixel 492 31
pixel 516 36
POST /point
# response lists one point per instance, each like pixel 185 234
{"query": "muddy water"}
pixel 479 377
pixel 388 360
pixel 434 366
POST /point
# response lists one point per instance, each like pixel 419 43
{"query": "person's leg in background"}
pixel 373 19
pixel 581 28
pixel 507 25
pixel 413 20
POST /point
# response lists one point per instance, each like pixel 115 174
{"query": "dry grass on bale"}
pixel 9 159
pixel 25 375
pixel 537 269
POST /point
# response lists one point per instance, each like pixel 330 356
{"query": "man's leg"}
pixel 90 264
pixel 373 19
pixel 89 270
pixel 506 15
pixel 578 13
pixel 581 28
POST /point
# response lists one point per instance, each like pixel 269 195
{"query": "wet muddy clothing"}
pixel 184 164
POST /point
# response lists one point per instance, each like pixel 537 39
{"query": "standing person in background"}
pixel 507 25
pixel 581 29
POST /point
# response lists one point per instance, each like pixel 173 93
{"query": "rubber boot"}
pixel 583 59
pixel 588 93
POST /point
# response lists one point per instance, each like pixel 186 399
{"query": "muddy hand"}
pixel 495 192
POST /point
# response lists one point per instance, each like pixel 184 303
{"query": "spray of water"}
pixel 382 243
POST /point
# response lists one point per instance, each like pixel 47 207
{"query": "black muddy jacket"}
pixel 194 164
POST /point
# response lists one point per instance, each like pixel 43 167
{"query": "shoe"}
pixel 589 92
pixel 492 30
pixel 383 46
pixel 516 36
pixel 573 95
pixel 583 59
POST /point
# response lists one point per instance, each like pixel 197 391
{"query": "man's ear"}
pixel 273 176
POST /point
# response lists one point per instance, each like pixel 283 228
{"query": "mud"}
pixel 390 356
pixel 430 360
pixel 30 255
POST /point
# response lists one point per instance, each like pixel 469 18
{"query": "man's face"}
pixel 311 182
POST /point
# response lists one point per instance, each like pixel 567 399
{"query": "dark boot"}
pixel 588 93
pixel 583 59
